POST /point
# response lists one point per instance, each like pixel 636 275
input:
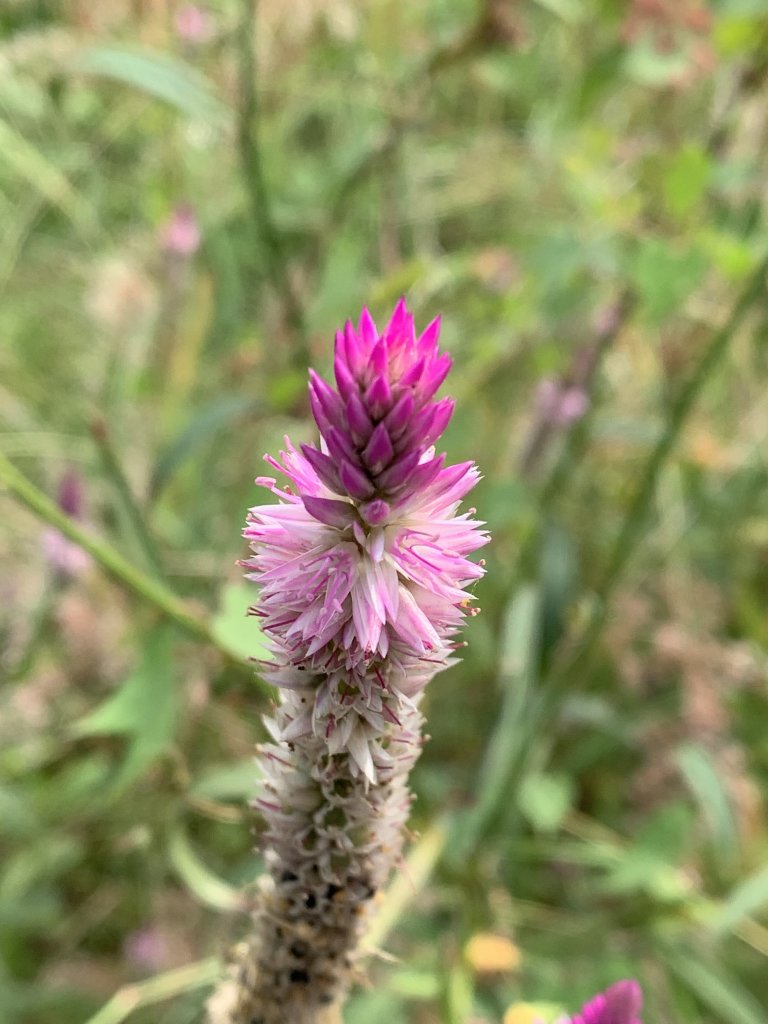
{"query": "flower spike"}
pixel 363 568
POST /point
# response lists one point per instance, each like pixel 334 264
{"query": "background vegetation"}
pixel 192 200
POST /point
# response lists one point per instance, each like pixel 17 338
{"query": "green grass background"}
pixel 579 188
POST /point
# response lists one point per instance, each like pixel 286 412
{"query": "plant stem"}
pixel 156 990
pixel 581 375
pixel 634 523
pixel 148 589
pixel 128 503
pixel 256 186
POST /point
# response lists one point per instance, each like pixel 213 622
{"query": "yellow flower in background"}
pixel 487 953
pixel 530 1013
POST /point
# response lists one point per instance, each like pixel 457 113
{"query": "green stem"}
pixel 634 524
pixel 149 590
pixel 40 621
pixel 157 990
pixel 128 504
pixel 256 185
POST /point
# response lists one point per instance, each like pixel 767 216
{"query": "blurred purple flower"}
pixel 64 557
pixel 71 497
pixel 560 403
pixel 193 24
pixel 146 949
pixel 619 1004
pixel 181 232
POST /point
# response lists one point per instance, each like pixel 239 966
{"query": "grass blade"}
pixel 160 75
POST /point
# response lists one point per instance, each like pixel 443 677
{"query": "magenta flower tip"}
pixel 619 1004
pixel 382 413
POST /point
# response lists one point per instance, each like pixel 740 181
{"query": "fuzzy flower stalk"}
pixel 363 571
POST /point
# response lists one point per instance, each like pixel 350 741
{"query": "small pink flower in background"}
pixel 560 403
pixel 181 232
pixel 64 557
pixel 146 949
pixel 194 24
pixel 619 1004
pixel 71 498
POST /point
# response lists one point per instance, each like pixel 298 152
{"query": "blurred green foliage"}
pixel 193 200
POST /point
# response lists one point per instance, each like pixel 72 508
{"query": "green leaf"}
pixel 743 9
pixel 747 898
pixel 732 255
pixel 716 989
pixel 705 783
pixel 49 857
pixel 17 818
pixel 201 881
pixel 159 75
pixel 228 781
pixel 39 173
pixel 668 833
pixel 647 64
pixel 570 11
pixel 686 180
pixel 144 708
pixel 415 984
pixel 234 627
pixel 458 993
pixel 545 800
pixel 650 864
pixel 739 28
pixel 203 426
pixel 558 573
pixel 665 277
pixel 519 649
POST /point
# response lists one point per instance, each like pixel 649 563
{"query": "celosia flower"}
pixel 363 572
pixel 363 565
pixel 619 1004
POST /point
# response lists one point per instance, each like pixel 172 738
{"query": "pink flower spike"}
pixel 359 568
pixel 364 573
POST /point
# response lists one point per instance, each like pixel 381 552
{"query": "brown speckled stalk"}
pixel 331 842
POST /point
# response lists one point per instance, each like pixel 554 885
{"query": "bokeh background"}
pixel 192 199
